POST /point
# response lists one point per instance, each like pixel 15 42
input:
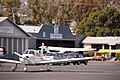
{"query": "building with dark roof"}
pixel 53 35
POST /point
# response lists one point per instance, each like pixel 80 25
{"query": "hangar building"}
pixel 12 37
pixel 52 35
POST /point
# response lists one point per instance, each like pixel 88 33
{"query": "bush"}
pixel 89 53
pixel 118 56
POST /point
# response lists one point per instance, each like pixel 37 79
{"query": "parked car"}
pixel 70 55
pixel 77 55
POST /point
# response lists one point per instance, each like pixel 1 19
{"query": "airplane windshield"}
pixel 25 52
pixel 32 52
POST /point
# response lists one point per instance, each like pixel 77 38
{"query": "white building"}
pixel 102 42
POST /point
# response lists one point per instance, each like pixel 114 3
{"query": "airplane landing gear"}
pixel 25 68
pixel 14 67
pixel 48 68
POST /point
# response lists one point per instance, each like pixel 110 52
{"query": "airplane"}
pixel 32 57
pixel 64 49
pixel 68 53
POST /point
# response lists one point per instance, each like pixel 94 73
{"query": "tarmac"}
pixel 95 70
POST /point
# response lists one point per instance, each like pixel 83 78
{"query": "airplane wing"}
pixel 9 61
pixel 61 61
pixel 61 49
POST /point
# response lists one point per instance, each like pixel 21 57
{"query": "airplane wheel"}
pixel 13 68
pixel 25 69
pixel 78 63
pixel 85 63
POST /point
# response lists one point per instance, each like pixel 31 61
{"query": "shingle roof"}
pixel 102 40
pixel 49 29
pixel 38 31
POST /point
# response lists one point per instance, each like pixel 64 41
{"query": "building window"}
pixel 44 34
pixel 56 29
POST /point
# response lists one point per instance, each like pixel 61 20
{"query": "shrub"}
pixel 118 56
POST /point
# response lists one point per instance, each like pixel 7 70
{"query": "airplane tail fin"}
pixel 18 54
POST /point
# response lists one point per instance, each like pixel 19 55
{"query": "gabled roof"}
pixel 48 31
pixel 6 18
pixel 63 32
pixel 102 40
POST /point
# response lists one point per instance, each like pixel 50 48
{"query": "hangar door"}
pixel 56 43
pixel 13 45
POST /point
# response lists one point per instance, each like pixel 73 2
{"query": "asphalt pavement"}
pixel 95 70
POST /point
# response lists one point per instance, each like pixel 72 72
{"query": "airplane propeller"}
pixel 21 56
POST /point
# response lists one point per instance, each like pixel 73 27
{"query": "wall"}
pixel 12 38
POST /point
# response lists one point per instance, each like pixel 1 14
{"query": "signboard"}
pixel 56 36
pixel 6 29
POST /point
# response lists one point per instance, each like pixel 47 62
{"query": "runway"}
pixel 95 70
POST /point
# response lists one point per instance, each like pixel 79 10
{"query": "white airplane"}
pixel 36 57
pixel 63 49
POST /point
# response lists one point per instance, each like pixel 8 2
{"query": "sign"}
pixel 56 36
pixel 6 29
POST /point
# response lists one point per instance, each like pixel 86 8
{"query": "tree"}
pixel 100 23
pixel 46 11
pixel 82 7
pixel 11 7
pixel 1 1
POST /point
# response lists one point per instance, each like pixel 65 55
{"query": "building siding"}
pixel 12 38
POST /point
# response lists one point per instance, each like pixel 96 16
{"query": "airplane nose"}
pixel 25 57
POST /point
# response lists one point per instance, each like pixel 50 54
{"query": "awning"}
pixel 108 51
